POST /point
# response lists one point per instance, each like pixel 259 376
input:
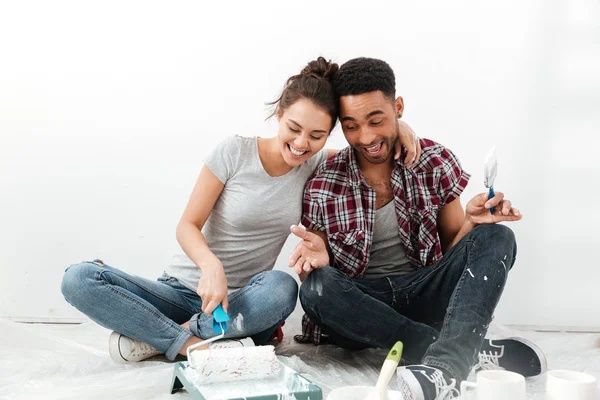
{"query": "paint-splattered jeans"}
pixel 440 312
pixel 152 311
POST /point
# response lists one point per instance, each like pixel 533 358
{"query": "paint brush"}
pixel 388 369
pixel 490 169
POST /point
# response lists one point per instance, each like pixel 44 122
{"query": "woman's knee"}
pixel 76 279
pixel 283 289
pixel 287 289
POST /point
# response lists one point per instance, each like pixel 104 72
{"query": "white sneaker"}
pixel 124 349
pixel 231 343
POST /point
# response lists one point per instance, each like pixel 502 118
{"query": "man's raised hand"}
pixel 310 252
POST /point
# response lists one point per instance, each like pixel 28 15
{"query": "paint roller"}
pixel 214 365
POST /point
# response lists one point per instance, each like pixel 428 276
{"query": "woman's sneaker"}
pixel 513 354
pixel 124 349
pixel 421 382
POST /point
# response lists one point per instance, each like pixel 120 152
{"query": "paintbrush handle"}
pixel 491 195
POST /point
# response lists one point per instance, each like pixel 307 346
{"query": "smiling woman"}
pixel 303 131
pixel 230 247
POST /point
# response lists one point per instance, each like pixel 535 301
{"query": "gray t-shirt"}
pixel 387 256
pixel 251 218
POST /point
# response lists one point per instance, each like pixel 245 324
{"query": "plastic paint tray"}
pixel 287 384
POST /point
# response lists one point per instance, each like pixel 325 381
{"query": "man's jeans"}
pixel 441 313
pixel 152 311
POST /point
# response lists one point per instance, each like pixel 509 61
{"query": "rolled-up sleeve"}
pixel 453 180
pixel 312 213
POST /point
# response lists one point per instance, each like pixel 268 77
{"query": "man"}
pixel 391 255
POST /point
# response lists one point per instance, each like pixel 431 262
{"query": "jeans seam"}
pixel 170 301
pixel 158 315
pixel 457 290
pixel 393 292
pixel 243 289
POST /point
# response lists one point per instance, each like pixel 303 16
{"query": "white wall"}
pixel 107 109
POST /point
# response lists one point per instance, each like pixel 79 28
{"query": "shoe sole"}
pixel 113 344
pixel 536 349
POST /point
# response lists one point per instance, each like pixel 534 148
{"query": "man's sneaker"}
pixel 420 382
pixel 512 354
pixel 124 349
pixel 229 343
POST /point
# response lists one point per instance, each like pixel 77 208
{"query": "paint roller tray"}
pixel 287 384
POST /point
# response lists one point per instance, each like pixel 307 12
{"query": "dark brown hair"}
pixel 313 83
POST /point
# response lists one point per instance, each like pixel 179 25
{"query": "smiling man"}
pixel 389 253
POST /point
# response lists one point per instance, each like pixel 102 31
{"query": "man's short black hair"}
pixel 365 75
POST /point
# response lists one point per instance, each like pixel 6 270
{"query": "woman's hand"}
pixel 212 287
pixel 410 141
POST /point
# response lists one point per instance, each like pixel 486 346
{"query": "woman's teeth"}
pixel 295 152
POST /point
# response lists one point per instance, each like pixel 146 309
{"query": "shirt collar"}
pixel 354 174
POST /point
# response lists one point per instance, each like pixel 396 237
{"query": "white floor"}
pixel 39 361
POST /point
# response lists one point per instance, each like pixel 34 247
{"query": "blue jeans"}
pixel 152 311
pixel 440 312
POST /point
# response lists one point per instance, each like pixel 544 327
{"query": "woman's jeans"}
pixel 152 311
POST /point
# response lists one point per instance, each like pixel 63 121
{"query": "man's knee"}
pixel 319 285
pixel 501 241
pixel 503 233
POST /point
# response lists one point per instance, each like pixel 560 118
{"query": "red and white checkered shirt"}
pixel 338 201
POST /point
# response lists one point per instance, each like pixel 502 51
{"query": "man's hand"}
pixel 410 141
pixel 310 252
pixel 478 209
pixel 212 288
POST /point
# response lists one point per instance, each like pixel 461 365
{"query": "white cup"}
pixel 570 385
pixel 496 385
pixel 360 393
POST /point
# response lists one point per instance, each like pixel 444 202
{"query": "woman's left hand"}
pixel 410 141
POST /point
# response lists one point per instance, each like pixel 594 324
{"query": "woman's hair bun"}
pixel 320 68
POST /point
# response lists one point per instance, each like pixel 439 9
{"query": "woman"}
pixel 237 219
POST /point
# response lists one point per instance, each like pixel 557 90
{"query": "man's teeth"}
pixel 296 152
pixel 373 149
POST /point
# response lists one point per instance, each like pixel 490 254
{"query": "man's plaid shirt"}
pixel 338 201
